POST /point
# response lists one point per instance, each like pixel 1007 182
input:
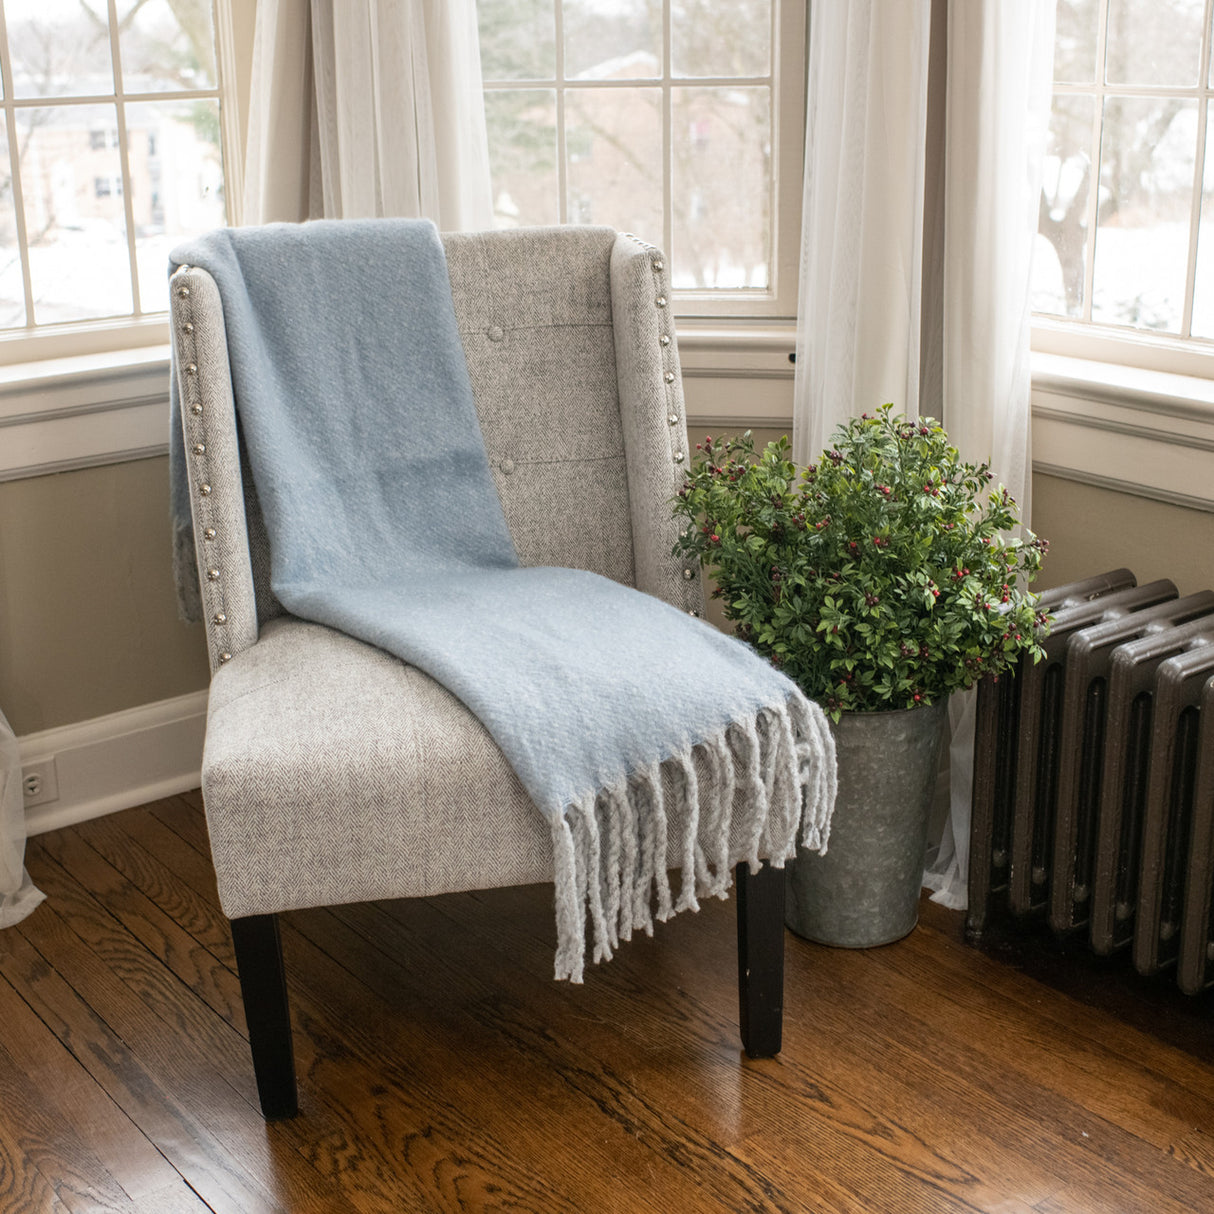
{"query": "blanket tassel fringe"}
pixel 770 778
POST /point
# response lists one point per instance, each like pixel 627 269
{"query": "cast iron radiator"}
pixel 1093 802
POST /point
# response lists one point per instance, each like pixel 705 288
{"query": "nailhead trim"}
pixel 209 532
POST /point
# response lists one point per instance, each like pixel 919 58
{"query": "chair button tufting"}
pixel 687 575
pixel 507 466
pixel 496 333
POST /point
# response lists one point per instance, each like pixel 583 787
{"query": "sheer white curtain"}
pixel 362 108
pixel 17 893
pixel 1000 63
pixel 862 218
pixel 866 274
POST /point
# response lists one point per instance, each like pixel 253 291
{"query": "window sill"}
pixel 1139 431
pixel 64 413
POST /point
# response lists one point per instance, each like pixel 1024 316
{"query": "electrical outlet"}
pixel 39 782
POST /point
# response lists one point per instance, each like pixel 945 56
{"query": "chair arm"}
pixel 212 457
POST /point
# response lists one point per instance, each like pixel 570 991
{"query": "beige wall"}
pixel 1092 530
pixel 88 622
pixel 88 619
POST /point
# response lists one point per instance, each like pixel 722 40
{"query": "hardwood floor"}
pixel 442 1069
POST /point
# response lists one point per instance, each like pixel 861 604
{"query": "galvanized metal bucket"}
pixel 865 890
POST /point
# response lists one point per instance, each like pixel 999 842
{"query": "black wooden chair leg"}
pixel 263 986
pixel 761 958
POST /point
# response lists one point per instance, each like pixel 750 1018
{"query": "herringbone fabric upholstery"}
pixel 334 773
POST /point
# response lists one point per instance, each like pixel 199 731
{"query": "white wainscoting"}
pixel 119 761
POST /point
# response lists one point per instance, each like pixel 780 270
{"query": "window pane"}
pixel 12 292
pixel 613 141
pixel 166 45
pixel 1059 258
pixel 1203 287
pixel 1075 41
pixel 1154 41
pixel 522 156
pixel 619 40
pixel 1146 181
pixel 721 187
pixel 176 184
pixel 720 37
pixel 71 183
pixel 59 47
pixel 518 39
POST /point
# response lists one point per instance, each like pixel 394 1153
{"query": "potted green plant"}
pixel 881 579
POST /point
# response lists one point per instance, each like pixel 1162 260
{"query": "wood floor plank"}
pixel 524 1118
pixel 130 1157
pixel 672 1134
pixel 442 1069
pixel 830 1116
pixel 203 1084
pixel 996 1100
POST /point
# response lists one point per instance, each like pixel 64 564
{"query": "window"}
pixel 1125 243
pixel 681 121
pixel 109 153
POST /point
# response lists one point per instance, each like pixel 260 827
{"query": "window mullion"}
pixel 1186 322
pixel 667 136
pixel 128 203
pixel 1089 268
pixel 14 160
pixel 562 170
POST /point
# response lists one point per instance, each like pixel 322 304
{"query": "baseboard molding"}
pixel 118 761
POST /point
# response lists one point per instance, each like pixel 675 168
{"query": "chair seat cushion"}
pixel 334 772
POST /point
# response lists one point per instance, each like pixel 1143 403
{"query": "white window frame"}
pixel 1117 407
pixel 787 80
pixel 96 392
pixel 141 326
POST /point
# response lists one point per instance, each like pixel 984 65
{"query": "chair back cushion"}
pixel 534 312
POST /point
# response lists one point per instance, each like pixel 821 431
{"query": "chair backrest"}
pixel 574 367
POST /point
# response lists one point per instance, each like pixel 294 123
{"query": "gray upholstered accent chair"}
pixel 334 773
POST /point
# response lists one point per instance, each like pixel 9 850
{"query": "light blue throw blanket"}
pixel 365 446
